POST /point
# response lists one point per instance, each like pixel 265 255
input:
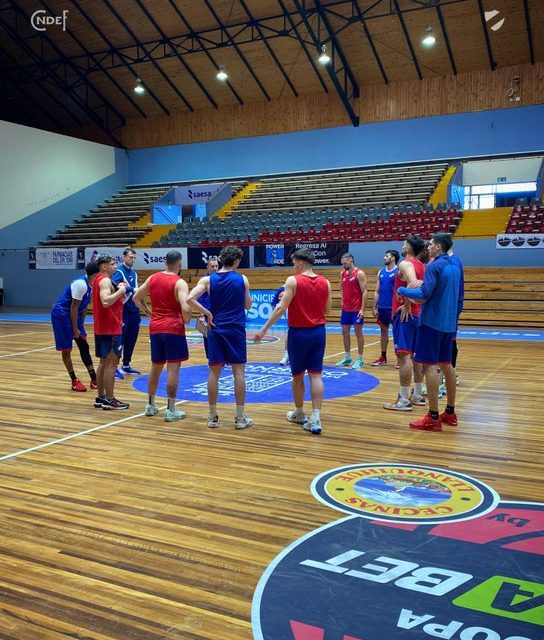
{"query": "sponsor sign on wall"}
pixel 197 258
pixel 279 254
pixel 261 309
pixel 520 241
pixel 155 259
pixel 53 258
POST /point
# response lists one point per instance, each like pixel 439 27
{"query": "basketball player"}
pixel 278 295
pixel 211 267
pixel 108 330
pixel 308 298
pixel 67 318
pixel 353 290
pixel 131 313
pixel 170 312
pixel 383 301
pixel 437 326
pixel 229 299
pixel 405 322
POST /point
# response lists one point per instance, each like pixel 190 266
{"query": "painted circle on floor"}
pixel 358 579
pixel 195 338
pixel 404 493
pixel 265 382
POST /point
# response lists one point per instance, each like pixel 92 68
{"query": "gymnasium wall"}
pixel 501 131
pixel 47 180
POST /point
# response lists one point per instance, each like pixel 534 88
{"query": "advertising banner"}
pixel 279 255
pixel 520 241
pixel 197 257
pixel 261 309
pixel 53 258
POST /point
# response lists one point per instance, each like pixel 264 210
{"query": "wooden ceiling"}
pixel 58 80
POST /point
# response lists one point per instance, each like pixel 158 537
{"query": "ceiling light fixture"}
pixel 429 39
pixel 324 57
pixel 139 88
pixel 222 74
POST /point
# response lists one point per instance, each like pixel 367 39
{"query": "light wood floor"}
pixel 145 530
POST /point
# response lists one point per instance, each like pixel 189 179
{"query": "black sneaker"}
pixel 114 404
pixel 99 402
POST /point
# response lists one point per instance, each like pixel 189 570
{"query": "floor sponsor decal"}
pixel 359 579
pixel 265 382
pixel 404 493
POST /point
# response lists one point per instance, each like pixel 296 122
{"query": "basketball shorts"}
pixel 62 329
pixel 433 346
pixel 384 317
pixel 404 334
pixel 168 347
pixel 227 345
pixel 306 349
pixel 104 345
pixel 350 317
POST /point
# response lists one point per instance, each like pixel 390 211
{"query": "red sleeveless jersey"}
pixel 415 307
pixel 165 309
pixel 108 321
pixel 352 296
pixel 307 308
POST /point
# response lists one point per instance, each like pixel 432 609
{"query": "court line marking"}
pixel 43 445
pixel 341 353
pixel 12 335
pixel 22 353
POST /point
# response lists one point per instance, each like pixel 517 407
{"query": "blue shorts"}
pixel 306 348
pixel 350 317
pixel 384 317
pixel 168 347
pixel 404 334
pixel 104 345
pixel 62 328
pixel 227 345
pixel 433 346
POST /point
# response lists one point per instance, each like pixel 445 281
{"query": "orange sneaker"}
pixel 448 418
pixel 78 386
pixel 426 424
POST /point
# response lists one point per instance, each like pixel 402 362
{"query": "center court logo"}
pixel 40 20
pixel 404 493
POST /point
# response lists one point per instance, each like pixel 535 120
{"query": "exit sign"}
pixel 501 179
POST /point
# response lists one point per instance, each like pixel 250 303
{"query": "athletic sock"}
pixel 299 412
pixel 450 409
pixel 286 354
pixel 239 411
pixel 72 375
pixel 316 415
pixel 434 415
pixel 347 355
pixel 213 410
pixel 384 356
pixel 418 388
pixel 405 393
pixel 171 404
pixel 92 374
pixel 151 399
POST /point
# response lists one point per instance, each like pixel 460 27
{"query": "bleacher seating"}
pixel 526 219
pixel 494 296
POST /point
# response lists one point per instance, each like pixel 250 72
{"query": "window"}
pixel 482 196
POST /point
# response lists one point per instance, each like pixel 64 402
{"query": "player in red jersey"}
pixel 405 321
pixel 108 330
pixel 170 312
pixel 308 298
pixel 353 290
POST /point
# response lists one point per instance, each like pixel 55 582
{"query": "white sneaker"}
pixel 442 391
pixel 284 360
pixel 151 409
pixel 418 401
pixel 292 417
pixel 172 416
pixel 399 405
pixel 244 422
pixel 213 421
pixel 312 425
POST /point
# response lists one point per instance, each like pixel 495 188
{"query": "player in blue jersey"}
pixel 131 313
pixel 211 267
pixel 383 301
pixel 440 294
pixel 67 317
pixel 229 300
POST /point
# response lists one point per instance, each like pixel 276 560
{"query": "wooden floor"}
pixel 146 529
